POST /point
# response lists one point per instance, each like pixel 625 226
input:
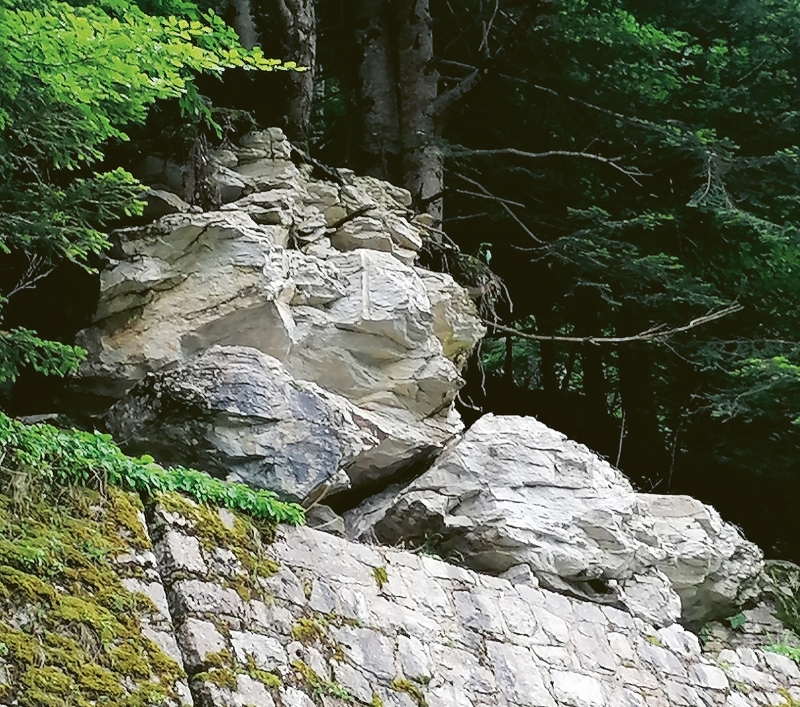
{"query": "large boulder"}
pixel 512 491
pixel 262 272
pixel 179 286
pixel 237 413
pixel 714 570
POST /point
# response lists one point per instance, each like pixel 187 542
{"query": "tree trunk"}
pixel 644 456
pixel 299 30
pixel 244 24
pixel 508 369
pixel 423 164
pixel 594 381
pixel 378 151
pixel 547 366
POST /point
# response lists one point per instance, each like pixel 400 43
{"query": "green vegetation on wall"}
pixel 63 457
pixel 73 77
pixel 69 629
pixel 70 632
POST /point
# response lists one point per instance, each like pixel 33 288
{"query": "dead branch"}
pixel 503 203
pixel 656 333
pixel 487 30
pixel 631 172
pixel 36 270
pixel 489 196
pixel 446 101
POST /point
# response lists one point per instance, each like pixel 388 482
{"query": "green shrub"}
pixel 792 652
pixel 786 578
pixel 86 458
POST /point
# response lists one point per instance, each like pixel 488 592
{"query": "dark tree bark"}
pixel 378 150
pixel 508 369
pixel 423 164
pixel 299 35
pixel 396 49
pixel 594 383
pixel 644 456
pixel 244 24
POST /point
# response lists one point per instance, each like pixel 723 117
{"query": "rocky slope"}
pixel 288 340
pixel 317 281
pixel 513 492
pixel 306 619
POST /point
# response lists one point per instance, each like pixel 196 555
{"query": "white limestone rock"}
pixel 512 491
pixel 180 286
pixel 711 566
pixel 454 317
pixel 362 324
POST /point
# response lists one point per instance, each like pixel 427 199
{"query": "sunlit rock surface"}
pixel 284 270
pixel 513 491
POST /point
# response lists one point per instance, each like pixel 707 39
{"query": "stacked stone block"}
pixel 339 623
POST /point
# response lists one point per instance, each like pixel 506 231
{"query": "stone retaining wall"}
pixel 305 618
pixel 332 623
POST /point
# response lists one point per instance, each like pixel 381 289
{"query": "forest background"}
pixel 616 181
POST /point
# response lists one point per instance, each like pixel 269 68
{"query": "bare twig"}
pixel 631 172
pixel 504 203
pixel 36 271
pixel 621 439
pixel 446 101
pixel 489 196
pixel 360 211
pixel 674 452
pixel 440 232
pixel 487 29
pixel 600 109
pixel 466 217
pixel 656 333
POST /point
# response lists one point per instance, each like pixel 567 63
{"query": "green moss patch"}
pixel 401 685
pixel 222 672
pixel 309 630
pixel 70 632
pixel 380 576
pixel 246 537
pixel 786 578
pixel 318 685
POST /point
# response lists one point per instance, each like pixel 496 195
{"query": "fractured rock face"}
pixel 714 570
pixel 512 491
pixel 181 285
pixel 237 412
pixel 262 273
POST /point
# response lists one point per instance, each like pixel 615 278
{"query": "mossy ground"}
pixel 70 633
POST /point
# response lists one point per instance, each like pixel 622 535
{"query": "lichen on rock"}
pixel 74 629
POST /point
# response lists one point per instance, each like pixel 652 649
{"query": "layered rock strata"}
pixel 316 275
pixel 514 492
